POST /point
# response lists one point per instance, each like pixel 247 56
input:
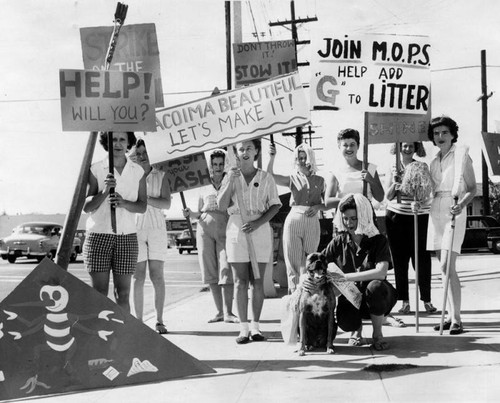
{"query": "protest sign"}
pixel 106 101
pixel 491 148
pixel 371 73
pixel 136 50
pixel 272 106
pixel 189 172
pixel 393 127
pixel 259 61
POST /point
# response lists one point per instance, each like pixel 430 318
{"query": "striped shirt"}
pixel 153 218
pixel 259 195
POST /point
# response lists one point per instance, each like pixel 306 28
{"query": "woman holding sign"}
pixel 211 241
pixel 104 250
pixel 351 175
pixel 301 232
pixel 261 201
pixel 454 187
pixel 152 236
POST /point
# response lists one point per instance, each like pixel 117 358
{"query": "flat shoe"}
pixel 456 328
pixel 380 345
pixel 393 321
pixel 257 337
pixel 405 309
pixel 242 339
pixel 446 326
pixel 160 328
pixel 429 307
pixel 216 319
pixel 355 341
pixel 231 319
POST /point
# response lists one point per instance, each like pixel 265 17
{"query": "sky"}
pixel 39 163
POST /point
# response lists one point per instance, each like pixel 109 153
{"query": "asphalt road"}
pixel 182 278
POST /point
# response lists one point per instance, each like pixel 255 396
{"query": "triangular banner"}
pixel 59 335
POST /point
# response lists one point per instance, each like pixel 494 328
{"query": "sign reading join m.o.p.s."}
pixel 94 100
pixel 371 73
pixel 246 113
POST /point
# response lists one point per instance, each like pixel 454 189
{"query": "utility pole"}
pixel 293 22
pixel 484 128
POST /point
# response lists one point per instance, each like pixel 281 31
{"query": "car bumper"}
pixel 22 253
pixel 185 247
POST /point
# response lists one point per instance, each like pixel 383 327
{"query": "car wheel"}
pixel 180 251
pixel 495 247
pixel 52 255
pixel 72 257
pixel 11 259
pixel 189 251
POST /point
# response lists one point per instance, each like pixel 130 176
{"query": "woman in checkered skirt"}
pixel 104 250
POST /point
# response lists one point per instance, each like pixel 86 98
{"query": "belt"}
pixel 442 194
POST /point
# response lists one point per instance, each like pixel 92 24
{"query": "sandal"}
pixel 390 320
pixel 355 341
pixel 231 319
pixel 429 308
pixel 380 344
pixel 160 328
pixel 405 308
pixel 218 318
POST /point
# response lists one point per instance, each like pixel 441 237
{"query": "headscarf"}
pixel 364 212
pixel 311 158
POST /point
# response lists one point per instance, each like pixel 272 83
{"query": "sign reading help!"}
pixel 371 73
pixel 94 100
pixel 239 115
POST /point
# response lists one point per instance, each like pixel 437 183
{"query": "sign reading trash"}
pixel 371 73
pixel 106 100
pixel 272 106
pixel 136 50
pixel 189 172
pixel 259 61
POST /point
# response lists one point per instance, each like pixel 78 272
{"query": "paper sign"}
pixel 272 106
pixel 491 148
pixel 136 50
pixel 189 172
pixel 259 61
pixel 393 127
pixel 371 73
pixel 106 101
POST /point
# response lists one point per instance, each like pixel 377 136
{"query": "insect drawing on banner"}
pixel 58 327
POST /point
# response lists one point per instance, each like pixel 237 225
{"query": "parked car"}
pixel 35 240
pixel 184 241
pixel 482 232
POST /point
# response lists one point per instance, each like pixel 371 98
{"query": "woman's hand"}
pixel 186 212
pixel 109 182
pixel 250 226
pixel 312 211
pixel 456 209
pixel 367 176
pixel 272 150
pixel 116 200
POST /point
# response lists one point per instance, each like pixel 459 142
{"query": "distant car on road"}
pixel 35 240
pixel 184 241
pixel 482 232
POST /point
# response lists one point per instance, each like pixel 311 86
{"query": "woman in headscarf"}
pixel 363 255
pixel 301 232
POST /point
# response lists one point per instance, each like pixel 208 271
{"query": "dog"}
pixel 317 325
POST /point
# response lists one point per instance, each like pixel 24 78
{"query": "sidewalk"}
pixel 420 366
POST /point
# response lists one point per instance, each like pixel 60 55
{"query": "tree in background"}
pixel 495 199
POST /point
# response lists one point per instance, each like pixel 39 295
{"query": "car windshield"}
pixel 34 229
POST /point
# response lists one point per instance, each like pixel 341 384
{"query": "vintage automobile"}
pixel 184 241
pixel 35 240
pixel 482 232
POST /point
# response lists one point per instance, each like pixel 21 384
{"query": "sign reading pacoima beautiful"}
pixel 271 106
pixel 136 50
pixel 259 61
pixel 371 73
pixel 106 101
